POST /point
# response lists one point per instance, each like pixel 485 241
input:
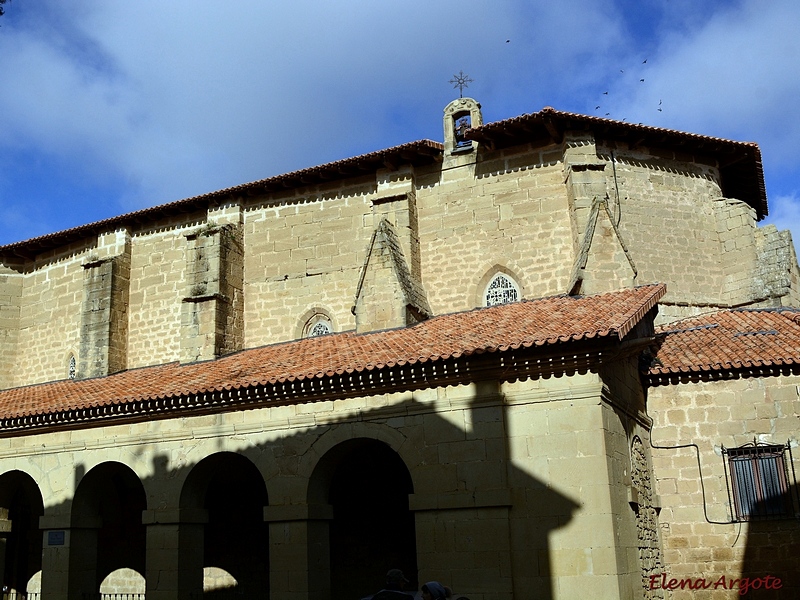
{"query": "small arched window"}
pixel 72 367
pixel 318 325
pixel 501 290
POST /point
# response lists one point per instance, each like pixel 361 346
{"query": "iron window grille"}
pixel 761 485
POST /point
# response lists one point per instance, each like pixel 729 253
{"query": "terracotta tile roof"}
pixel 739 162
pixel 728 341
pixel 537 323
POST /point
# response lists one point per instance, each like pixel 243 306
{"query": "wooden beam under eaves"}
pixel 553 131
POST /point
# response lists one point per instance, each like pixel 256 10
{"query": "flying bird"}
pixel 644 61
pixel 507 41
pixel 641 80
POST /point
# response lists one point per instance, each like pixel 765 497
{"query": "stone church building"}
pixel 552 357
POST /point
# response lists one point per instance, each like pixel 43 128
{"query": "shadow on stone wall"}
pixel 773 549
pixel 353 505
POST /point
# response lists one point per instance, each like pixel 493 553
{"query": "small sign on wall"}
pixel 56 538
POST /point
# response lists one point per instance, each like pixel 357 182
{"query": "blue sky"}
pixel 108 107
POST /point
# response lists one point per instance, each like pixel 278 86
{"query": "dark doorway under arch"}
pixel 234 539
pixel 372 529
pixel 21 504
pixel 107 530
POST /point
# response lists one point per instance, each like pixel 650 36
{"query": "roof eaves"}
pixel 418 152
pixel 517 130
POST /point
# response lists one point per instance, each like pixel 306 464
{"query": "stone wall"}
pixel 700 539
pixel 508 482
pixel 665 211
pixel 50 319
pixel 522 211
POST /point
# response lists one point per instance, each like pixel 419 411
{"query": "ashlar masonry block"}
pixel 212 311
pixel 10 299
pixel 104 314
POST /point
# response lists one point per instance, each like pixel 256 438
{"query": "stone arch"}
pixel 371 530
pixel 222 528
pixel 123 582
pixel 21 505
pixel 481 288
pixel 311 318
pixel 34 585
pixel 321 448
pixel 106 529
pixel 215 579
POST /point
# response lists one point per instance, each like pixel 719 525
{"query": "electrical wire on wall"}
pixel 700 471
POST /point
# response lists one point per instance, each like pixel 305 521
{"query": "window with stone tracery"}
pixel 501 290
pixel 72 367
pixel 318 325
pixel 320 328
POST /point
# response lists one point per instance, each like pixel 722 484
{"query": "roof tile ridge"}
pixel 425 142
pixel 647 303
pixel 675 326
pixel 791 313
pixel 550 111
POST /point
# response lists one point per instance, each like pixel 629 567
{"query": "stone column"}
pixel 10 307
pixel 585 177
pixel 69 556
pixel 299 551
pixel 174 564
pixel 5 529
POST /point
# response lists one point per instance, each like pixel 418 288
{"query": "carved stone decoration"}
pixel 650 560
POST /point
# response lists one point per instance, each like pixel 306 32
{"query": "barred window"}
pixel 501 290
pixel 759 481
pixel 72 367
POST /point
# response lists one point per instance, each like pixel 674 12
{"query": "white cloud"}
pixel 164 100
pixel 735 76
pixel 177 100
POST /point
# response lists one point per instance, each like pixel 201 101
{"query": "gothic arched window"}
pixel 72 367
pixel 501 290
pixel 318 325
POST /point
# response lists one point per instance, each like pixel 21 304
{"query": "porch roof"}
pixel 728 341
pixel 553 324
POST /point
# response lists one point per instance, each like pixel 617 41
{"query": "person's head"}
pixel 433 590
pixel 395 580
